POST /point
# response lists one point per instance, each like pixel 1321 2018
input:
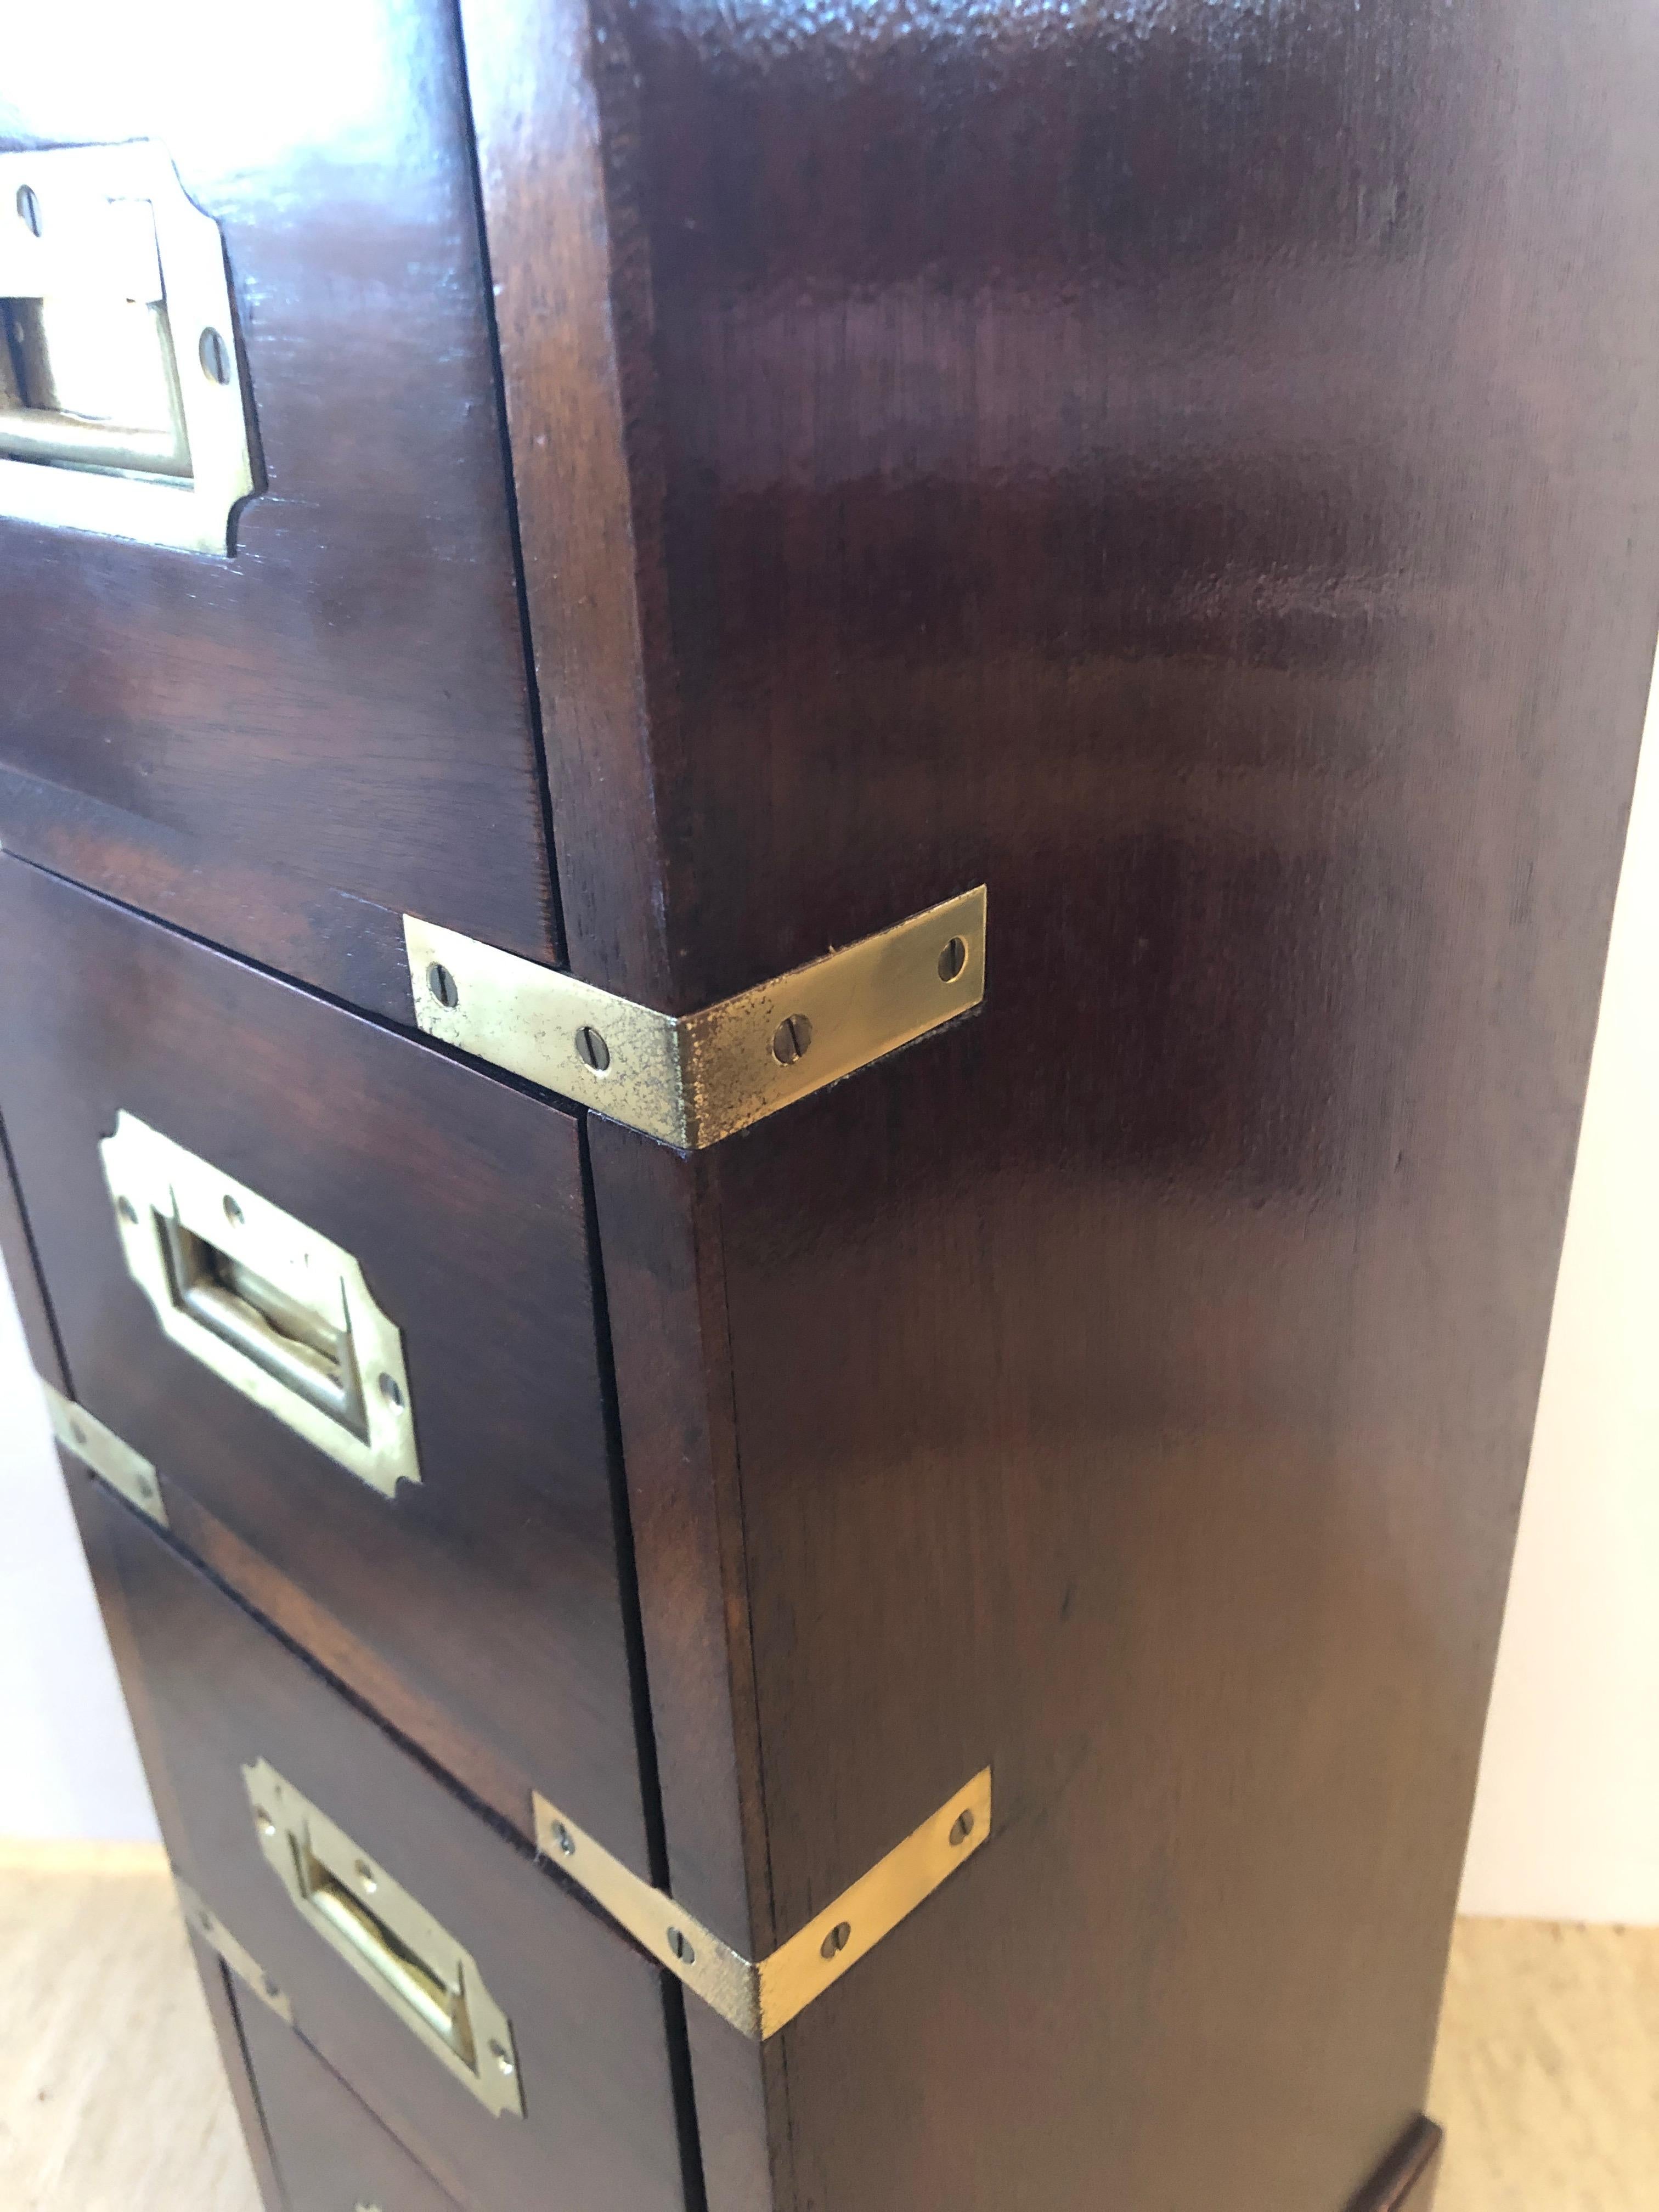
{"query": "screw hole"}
pixel 77 1432
pixel 215 357
pixel 952 960
pixel 962 1827
pixel 263 1821
pixel 272 1990
pixel 29 209
pixel 503 2059
pixel 234 1212
pixel 592 1051
pixel 680 1948
pixel 391 1391
pixel 442 985
pixel 366 1877
pixel 837 1940
pixel 793 1037
pixel 128 1211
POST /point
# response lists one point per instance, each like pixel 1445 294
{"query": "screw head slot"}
pixel 563 1841
pixel 952 960
pixel 391 1390
pixel 29 209
pixel 793 1037
pixel 128 1211
pixel 234 1212
pixel 679 1945
pixel 440 984
pixel 215 357
pixel 592 1050
pixel 837 1940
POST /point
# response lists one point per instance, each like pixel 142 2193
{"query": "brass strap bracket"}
pixel 213 1931
pixel 758 1997
pixel 690 1080
pixel 100 1449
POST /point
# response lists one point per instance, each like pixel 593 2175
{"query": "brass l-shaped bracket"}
pixel 760 1996
pixel 690 1080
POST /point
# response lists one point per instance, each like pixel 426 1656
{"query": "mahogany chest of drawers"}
pixel 808 826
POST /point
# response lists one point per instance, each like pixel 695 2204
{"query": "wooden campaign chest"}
pixel 808 822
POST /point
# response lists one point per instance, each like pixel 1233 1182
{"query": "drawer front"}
pixel 584 2113
pixel 332 2154
pixel 344 701
pixel 480 1607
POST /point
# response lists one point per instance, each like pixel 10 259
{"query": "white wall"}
pixel 1567 1822
pixel 1566 1825
pixel 68 1763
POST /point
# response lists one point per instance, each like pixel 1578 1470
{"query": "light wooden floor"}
pixel 111 2099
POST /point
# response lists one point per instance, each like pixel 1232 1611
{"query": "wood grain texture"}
pixel 112 2096
pixel 344 703
pixel 1194 471
pixel 1544 2074
pixel 588 2012
pixel 333 2155
pixel 551 246
pixel 346 947
pixel 491 1589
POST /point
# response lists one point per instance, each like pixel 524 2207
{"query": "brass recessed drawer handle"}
pixel 387 1938
pixel 276 1310
pixel 122 403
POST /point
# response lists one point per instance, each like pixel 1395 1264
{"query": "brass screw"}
pixel 962 1827
pixel 680 1948
pixel 592 1051
pixel 793 1037
pixel 390 1391
pixel 952 960
pixel 837 1940
pixel 215 357
pixel 442 985
pixel 503 2059
pixel 564 1840
pixel 366 1876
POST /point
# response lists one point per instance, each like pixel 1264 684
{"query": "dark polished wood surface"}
pixel 1198 473
pixel 219 1988
pixel 330 2151
pixel 344 703
pixel 218 1690
pixel 491 1589
pixel 17 1253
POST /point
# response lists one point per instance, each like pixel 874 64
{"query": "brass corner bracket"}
pixel 102 1451
pixel 760 1996
pixel 242 1962
pixel 690 1080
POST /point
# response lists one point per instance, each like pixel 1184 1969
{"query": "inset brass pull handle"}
pixel 390 1939
pixel 274 1309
